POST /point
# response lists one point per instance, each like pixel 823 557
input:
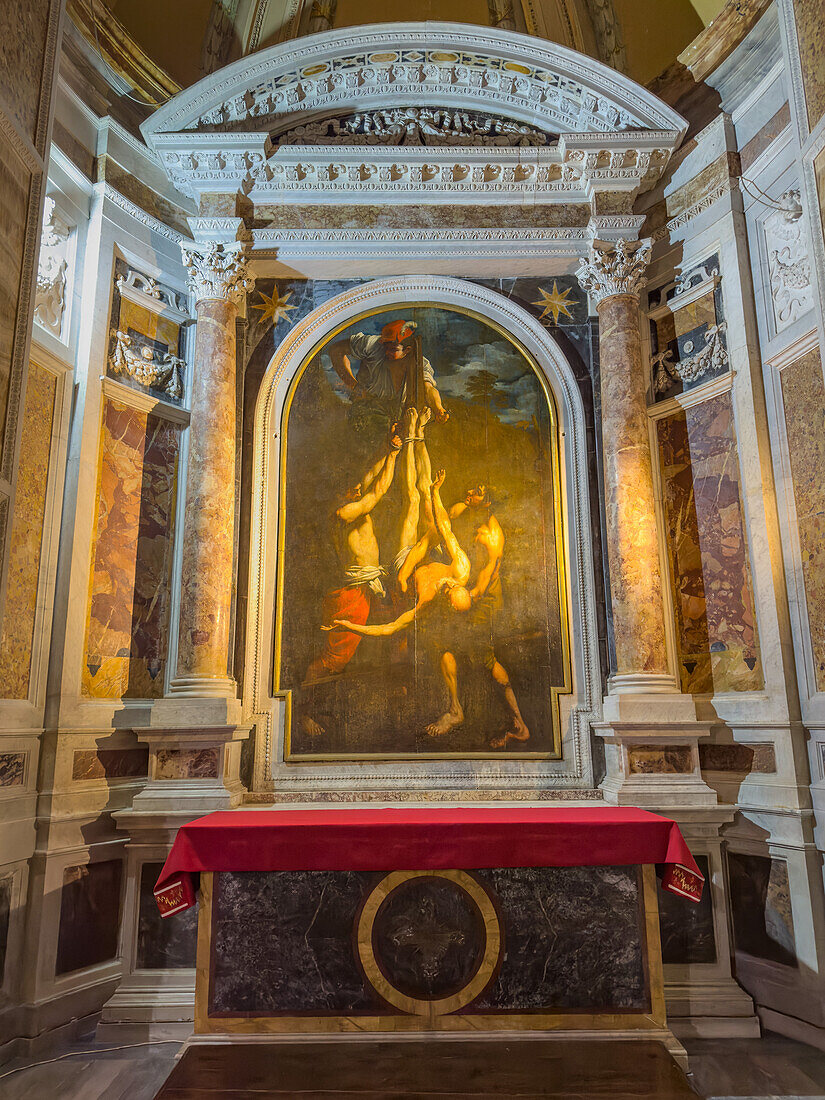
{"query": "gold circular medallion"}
pixel 453 957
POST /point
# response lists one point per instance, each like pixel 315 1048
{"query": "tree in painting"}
pixel 420 609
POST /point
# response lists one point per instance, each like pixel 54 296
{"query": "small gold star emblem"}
pixel 274 306
pixel 555 302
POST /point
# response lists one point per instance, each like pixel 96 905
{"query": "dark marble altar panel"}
pixel 163 944
pixel 286 943
pixel 282 942
pixel 761 909
pixel 573 939
pixel 660 759
pixel 736 757
pixel 6 882
pixel 89 915
pixel 187 764
pixel 687 928
pixel 110 763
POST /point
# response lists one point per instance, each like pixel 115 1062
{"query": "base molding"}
pixel 791 1027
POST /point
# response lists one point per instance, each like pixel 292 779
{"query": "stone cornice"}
pixel 445 64
pixel 570 171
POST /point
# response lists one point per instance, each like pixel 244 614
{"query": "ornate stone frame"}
pixel 405 778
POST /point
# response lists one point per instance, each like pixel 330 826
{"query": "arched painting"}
pixel 421 606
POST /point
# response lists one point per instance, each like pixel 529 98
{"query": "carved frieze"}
pixel 710 360
pixel 52 269
pixel 218 271
pixel 614 268
pixel 146 366
pixel 789 263
pixel 416 126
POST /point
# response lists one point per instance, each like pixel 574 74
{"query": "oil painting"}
pixel 421 607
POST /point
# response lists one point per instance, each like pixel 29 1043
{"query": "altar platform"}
pixel 519 921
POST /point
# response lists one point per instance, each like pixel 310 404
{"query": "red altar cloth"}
pixel 423 839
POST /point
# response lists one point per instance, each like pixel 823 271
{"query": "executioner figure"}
pixel 472 636
pixel 356 545
pixel 433 578
pixel 391 368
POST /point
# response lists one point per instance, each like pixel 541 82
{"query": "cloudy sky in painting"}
pixel 459 347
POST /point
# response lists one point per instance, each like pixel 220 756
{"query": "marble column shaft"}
pixel 614 275
pixel 219 278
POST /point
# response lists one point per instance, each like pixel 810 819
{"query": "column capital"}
pixel 218 271
pixel 614 267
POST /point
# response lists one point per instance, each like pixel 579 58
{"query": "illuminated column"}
pixel 219 277
pixel 613 275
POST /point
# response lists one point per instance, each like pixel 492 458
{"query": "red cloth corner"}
pixel 424 839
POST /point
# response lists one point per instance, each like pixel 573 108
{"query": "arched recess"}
pixel 268 711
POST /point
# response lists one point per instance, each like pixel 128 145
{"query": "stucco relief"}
pixel 788 261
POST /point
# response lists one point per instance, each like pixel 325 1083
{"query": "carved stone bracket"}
pixel 614 268
pixel 52 267
pixel 218 271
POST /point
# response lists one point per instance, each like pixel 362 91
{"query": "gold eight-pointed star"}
pixel 274 306
pixel 554 302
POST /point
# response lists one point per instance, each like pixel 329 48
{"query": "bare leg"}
pixel 518 730
pixel 423 468
pixel 455 715
pixel 409 489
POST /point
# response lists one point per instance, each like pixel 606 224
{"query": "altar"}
pixel 429 920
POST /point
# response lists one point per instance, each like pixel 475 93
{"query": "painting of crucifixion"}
pixel 421 597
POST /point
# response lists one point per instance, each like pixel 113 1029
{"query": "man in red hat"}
pixel 387 362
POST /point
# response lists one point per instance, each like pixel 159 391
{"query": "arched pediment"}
pixel 434 65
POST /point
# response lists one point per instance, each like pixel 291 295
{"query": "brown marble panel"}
pixel 710 567
pixel 735 757
pixel 422 217
pixel 110 763
pixel 6 882
pixel 15 180
pixel 12 768
pixel 761 910
pixel 810 34
pixel 23 25
pixel 764 138
pixel 819 170
pixel 660 759
pixel 691 316
pixel 128 185
pixel 803 393
pixel 89 915
pixel 187 764
pixel 150 324
pixel 127 626
pixel 27 535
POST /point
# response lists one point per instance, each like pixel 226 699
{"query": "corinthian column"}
pixel 613 275
pixel 219 278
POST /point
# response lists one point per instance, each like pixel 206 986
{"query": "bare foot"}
pixel 517 732
pixel 408 423
pixel 311 727
pixel 425 416
pixel 454 717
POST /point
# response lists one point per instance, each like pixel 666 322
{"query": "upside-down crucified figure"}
pixel 433 579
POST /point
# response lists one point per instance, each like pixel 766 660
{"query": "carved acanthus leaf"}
pixel 614 268
pixel 788 261
pixel 218 271
pixel 52 267
pixel 164 373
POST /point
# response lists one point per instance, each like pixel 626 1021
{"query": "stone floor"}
pixel 771 1067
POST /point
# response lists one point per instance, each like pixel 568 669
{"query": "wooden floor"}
pixel 450 1070
pixel 743 1069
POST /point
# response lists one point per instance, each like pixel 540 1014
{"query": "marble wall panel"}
pixel 163 944
pixel 89 915
pixel 23 26
pixel 811 37
pixel 27 535
pixel 757 758
pixel 15 181
pixel 761 910
pixel 819 172
pixel 128 614
pixel 803 394
pixel 12 769
pixel 659 759
pixel 687 927
pixel 110 764
pixel 6 883
pixel 766 136
pixel 187 764
pixel 710 568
